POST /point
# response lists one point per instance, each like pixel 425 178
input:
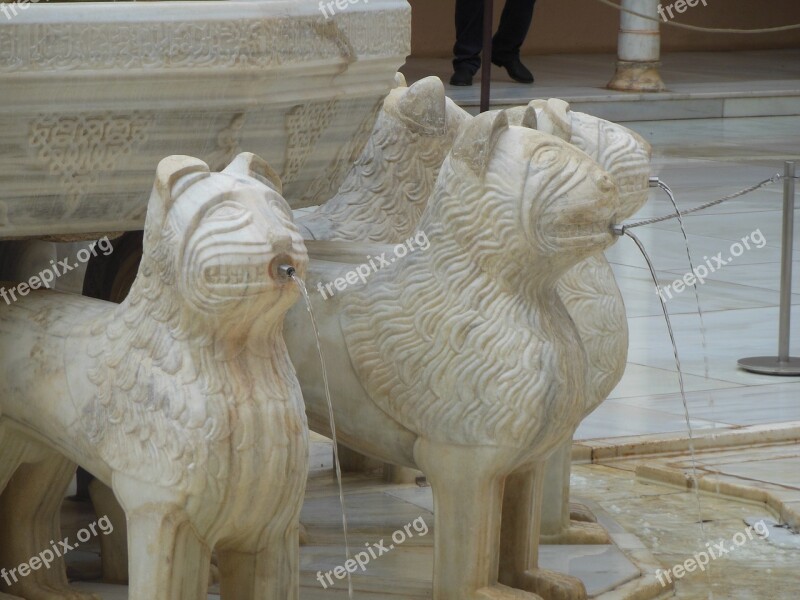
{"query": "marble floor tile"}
pixel 733 227
pixel 614 419
pixel 765 277
pixel 107 591
pixel 419 496
pixel 730 335
pixel 603 567
pixel 641 381
pixel 667 250
pixel 716 294
pixel 785 471
pixel 744 405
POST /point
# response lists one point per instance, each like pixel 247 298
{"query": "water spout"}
pixel 656 182
pixel 290 272
pixel 287 271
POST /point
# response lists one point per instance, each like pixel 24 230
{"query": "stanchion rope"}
pixel 697 27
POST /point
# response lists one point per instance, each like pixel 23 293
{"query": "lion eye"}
pixel 227 211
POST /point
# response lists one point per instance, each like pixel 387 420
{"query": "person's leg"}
pixel 514 26
pixel 469 33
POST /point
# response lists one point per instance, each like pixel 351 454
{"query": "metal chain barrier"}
pixel 771 181
pixel 696 27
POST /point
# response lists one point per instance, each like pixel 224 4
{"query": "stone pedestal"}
pixel 639 49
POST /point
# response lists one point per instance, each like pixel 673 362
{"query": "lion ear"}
pixel 478 138
pixel 423 107
pixel 256 167
pixel 529 120
pixel 553 117
pixel 169 171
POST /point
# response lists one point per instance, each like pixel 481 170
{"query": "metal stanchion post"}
pixel 783 364
pixel 486 67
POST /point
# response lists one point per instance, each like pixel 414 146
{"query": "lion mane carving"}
pixel 182 398
pixel 386 190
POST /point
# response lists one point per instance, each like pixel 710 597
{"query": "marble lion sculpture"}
pixel 182 398
pixel 590 292
pixel 386 190
pixel 461 360
pixel 592 298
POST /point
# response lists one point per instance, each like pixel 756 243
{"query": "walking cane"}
pixel 486 67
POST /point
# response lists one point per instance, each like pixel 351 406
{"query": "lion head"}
pixel 522 202
pixel 623 153
pixel 217 241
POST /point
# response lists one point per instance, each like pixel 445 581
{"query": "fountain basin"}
pixel 96 93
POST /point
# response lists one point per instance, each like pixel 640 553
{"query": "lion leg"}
pixel 559 526
pixel 467 484
pixel 169 559
pixel 113 546
pixel 11 457
pixel 519 561
pixel 268 569
pixel 30 513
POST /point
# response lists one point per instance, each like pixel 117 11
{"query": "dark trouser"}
pixel 514 25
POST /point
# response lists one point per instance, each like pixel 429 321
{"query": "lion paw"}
pixel 551 585
pixel 502 592
pixel 579 533
pixel 46 592
pixel 580 512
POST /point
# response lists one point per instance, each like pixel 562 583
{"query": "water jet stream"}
pixel 695 480
pixel 337 465
pixel 669 193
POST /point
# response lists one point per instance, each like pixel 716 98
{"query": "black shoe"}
pixel 516 70
pixel 462 76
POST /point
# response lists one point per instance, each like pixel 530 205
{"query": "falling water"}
pixel 696 481
pixel 337 465
pixel 625 230
pixel 669 193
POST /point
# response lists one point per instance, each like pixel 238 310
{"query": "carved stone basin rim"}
pixel 95 94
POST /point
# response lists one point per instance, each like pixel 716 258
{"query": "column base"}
pixel 637 77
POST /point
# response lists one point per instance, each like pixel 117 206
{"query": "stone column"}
pixel 639 49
